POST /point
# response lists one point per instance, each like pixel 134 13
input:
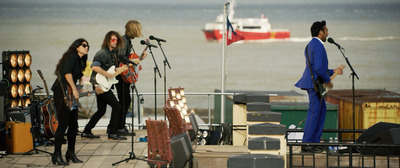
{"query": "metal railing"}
pixel 352 150
pixel 140 123
pixel 208 94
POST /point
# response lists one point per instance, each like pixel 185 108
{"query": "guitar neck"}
pixel 86 93
pixel 336 73
pixel 141 56
pixel 44 82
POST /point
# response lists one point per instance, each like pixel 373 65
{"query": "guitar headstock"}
pixel 40 74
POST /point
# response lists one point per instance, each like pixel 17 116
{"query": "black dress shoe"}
pixel 56 158
pixel 70 155
pixel 116 137
pixel 89 135
pixel 123 130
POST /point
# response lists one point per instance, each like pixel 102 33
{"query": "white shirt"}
pixel 319 40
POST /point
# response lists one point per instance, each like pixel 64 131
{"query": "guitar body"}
pixel 104 82
pixel 73 103
pixel 49 112
pixel 321 87
pixel 50 121
pixel 131 75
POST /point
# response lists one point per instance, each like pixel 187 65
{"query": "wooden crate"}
pixel 371 107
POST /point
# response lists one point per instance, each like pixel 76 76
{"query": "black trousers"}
pixel 107 98
pixel 66 119
pixel 124 98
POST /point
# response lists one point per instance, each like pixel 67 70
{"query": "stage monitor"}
pixel 181 149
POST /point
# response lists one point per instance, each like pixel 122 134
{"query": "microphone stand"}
pixel 35 127
pixel 165 75
pixel 353 74
pixel 156 70
pixel 132 153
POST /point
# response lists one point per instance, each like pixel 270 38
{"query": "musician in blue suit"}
pixel 319 64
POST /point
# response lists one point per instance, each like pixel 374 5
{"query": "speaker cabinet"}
pixel 181 149
pixel 381 133
pixel 195 126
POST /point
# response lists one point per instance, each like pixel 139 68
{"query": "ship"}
pixel 251 28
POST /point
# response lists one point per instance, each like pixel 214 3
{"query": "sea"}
pixel 368 30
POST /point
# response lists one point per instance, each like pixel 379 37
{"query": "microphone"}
pixel 148 44
pixel 330 40
pixel 158 39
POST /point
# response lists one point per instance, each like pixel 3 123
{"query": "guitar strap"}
pixel 66 99
pixel 311 72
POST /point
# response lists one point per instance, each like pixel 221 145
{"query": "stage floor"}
pixel 103 153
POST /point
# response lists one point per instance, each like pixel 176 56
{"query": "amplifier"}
pixel 18 137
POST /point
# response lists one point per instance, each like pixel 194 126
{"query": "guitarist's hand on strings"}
pixel 123 68
pixel 71 84
pixel 338 70
pixel 143 56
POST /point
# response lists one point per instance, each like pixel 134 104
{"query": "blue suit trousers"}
pixel 315 118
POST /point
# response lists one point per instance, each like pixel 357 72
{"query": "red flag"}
pixel 232 36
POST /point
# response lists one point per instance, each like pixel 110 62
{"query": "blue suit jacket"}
pixel 319 65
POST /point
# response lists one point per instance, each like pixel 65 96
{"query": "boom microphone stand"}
pixel 132 153
pixel 165 69
pixel 156 70
pixel 353 74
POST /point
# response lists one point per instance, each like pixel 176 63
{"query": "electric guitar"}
pixel 131 75
pixel 49 112
pixel 73 103
pixel 322 89
pixel 106 83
